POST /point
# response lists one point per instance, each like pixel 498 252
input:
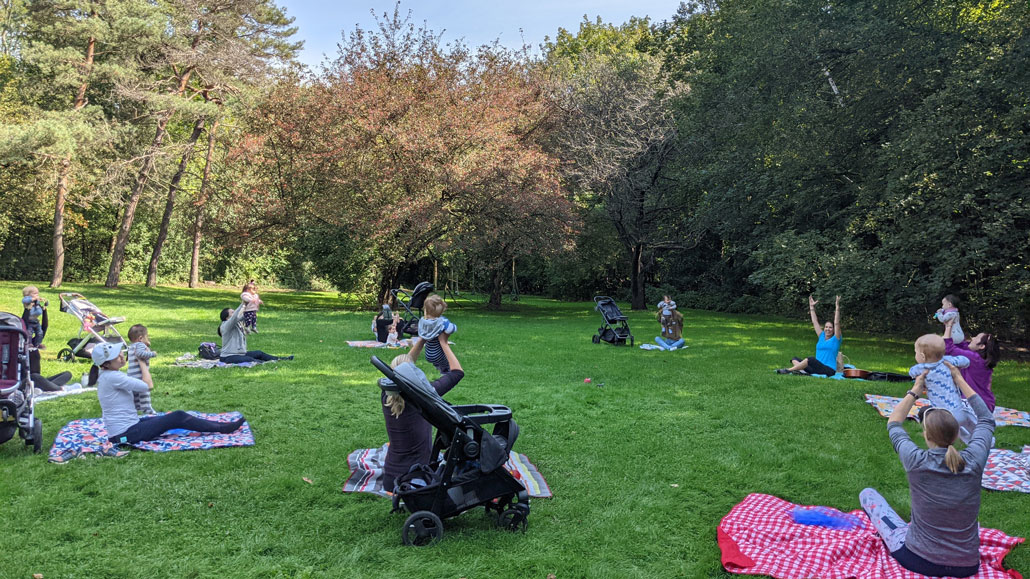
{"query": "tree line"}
pixel 738 154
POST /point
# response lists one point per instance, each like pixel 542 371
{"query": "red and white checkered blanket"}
pixel 759 537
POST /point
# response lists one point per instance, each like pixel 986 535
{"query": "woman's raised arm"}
pixel 836 318
pixel 815 318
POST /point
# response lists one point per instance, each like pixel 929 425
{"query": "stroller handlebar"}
pixel 484 413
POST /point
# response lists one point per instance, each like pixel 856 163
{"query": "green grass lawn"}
pixel 644 461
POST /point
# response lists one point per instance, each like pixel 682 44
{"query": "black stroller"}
pixel 615 330
pixel 471 473
pixel 16 388
pixel 412 303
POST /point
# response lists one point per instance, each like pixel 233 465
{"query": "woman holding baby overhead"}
pixel 827 346
pixel 943 539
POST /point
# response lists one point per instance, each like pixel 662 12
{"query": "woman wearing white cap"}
pixel 124 426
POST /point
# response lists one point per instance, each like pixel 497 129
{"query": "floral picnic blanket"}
pixel 366 473
pixel 405 343
pixel 192 361
pixel 759 537
pixel 1002 416
pixel 86 436
pixel 1007 470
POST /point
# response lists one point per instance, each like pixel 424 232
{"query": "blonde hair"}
pixel 434 306
pixel 394 401
pixel 29 290
pixel 932 347
pixel 941 428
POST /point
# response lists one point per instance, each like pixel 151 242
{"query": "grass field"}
pixel 643 461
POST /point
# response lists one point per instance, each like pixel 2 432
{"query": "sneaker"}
pixel 111 451
pixel 290 357
pixel 782 371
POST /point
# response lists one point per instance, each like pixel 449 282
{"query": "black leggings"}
pixel 250 356
pixel 150 427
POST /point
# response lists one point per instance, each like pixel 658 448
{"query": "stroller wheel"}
pixel 423 528
pixel 597 339
pixel 35 437
pixel 66 355
pixel 513 520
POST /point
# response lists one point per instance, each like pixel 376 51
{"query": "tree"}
pixel 619 134
pixel 210 42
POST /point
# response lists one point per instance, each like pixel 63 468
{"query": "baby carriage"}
pixel 615 330
pixel 414 300
pixel 471 472
pixel 16 388
pixel 95 328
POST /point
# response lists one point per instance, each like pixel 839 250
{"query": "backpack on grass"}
pixel 209 351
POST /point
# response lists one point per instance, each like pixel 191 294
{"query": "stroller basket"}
pixel 471 472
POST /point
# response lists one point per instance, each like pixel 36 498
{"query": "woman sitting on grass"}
pixel 114 390
pixel 234 340
pixel 983 353
pixel 943 538
pixel 411 437
pixel 827 347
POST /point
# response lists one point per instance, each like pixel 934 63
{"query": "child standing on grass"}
pixel 940 386
pixel 139 355
pixel 430 327
pixel 252 302
pixel 34 307
pixel 949 312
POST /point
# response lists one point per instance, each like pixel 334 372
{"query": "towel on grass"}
pixel 60 393
pixel 759 537
pixel 366 473
pixel 405 343
pixel 85 436
pixel 192 361
pixel 1002 416
pixel 1007 470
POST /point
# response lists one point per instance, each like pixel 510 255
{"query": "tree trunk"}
pixel 387 279
pixel 497 287
pixel 198 221
pixel 637 278
pixel 173 187
pixel 64 175
pixel 114 273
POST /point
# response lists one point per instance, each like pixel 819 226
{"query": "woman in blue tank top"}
pixel 826 348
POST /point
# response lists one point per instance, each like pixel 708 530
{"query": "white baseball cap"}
pixel 106 351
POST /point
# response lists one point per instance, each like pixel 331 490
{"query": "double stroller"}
pixel 95 327
pixel 615 330
pixel 411 302
pixel 16 389
pixel 471 472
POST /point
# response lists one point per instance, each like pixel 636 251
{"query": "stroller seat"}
pixel 471 472
pixel 16 389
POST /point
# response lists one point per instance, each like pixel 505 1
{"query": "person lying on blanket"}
pixel 114 390
pixel 826 360
pixel 411 437
pixel 943 539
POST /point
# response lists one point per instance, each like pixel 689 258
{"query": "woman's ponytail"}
pixel 94 373
pixel 954 460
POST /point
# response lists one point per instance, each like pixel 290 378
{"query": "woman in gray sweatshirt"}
pixel 234 340
pixel 943 539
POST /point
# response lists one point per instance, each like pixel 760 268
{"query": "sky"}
pixel 322 22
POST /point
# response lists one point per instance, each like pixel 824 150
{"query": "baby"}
pixel 430 327
pixel 949 311
pixel 391 337
pixel 940 386
pixel 666 306
pixel 252 302
pixel 34 307
pixel 139 355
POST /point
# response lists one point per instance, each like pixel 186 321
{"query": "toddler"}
pixel 666 306
pixel 391 337
pixel 940 386
pixel 250 309
pixel 430 327
pixel 949 311
pixel 34 307
pixel 139 355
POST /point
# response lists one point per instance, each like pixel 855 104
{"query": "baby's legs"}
pixel 250 321
pixel 435 355
pixel 889 525
pixel 142 402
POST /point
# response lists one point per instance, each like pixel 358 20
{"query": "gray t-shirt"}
pixel 945 505
pixel 234 341
pixel 114 390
